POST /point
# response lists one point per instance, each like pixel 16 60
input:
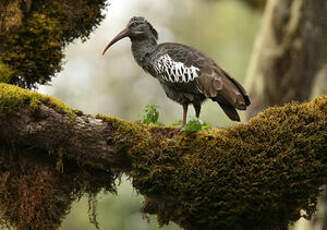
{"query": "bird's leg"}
pixel 177 130
pixel 184 114
pixel 197 109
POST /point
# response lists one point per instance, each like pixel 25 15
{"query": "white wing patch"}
pixel 173 71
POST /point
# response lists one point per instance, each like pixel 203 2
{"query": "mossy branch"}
pixel 258 175
pixel 27 26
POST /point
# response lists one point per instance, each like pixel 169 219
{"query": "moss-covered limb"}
pixel 34 120
pixel 257 174
pixel 27 26
pixel 50 155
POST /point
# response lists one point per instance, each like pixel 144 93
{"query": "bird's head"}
pixel 137 29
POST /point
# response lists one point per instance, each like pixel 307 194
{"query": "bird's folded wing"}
pixel 184 64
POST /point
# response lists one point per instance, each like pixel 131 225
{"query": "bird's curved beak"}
pixel 122 34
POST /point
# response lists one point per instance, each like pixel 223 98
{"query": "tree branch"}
pixel 261 173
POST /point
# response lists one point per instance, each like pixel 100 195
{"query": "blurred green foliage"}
pixel 194 125
pixel 150 115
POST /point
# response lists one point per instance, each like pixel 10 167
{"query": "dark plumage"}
pixel 187 75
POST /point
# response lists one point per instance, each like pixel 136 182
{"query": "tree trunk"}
pixel 320 85
pixel 290 53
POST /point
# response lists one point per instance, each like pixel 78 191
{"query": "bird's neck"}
pixel 142 49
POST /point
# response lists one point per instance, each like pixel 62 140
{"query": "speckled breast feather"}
pixel 172 71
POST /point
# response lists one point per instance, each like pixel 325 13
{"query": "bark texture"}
pixel 258 175
pixel 290 53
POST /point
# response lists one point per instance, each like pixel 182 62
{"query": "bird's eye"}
pixel 134 24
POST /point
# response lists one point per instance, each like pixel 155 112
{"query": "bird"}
pixel 187 75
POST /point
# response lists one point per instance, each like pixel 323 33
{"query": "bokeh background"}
pixel 114 84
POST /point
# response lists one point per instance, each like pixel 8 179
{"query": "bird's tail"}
pixel 230 111
pixel 233 96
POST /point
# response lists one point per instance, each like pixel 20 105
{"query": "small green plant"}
pixel 151 115
pixel 177 123
pixel 195 124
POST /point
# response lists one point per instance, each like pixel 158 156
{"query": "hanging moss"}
pixel 35 195
pixel 30 198
pixel 32 46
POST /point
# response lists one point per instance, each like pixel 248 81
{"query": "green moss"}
pixel 5 73
pixel 257 174
pixel 35 195
pixel 33 50
pixel 128 136
pixel 14 98
pixel 11 15
pixel 78 112
pixel 31 197
pixel 57 104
